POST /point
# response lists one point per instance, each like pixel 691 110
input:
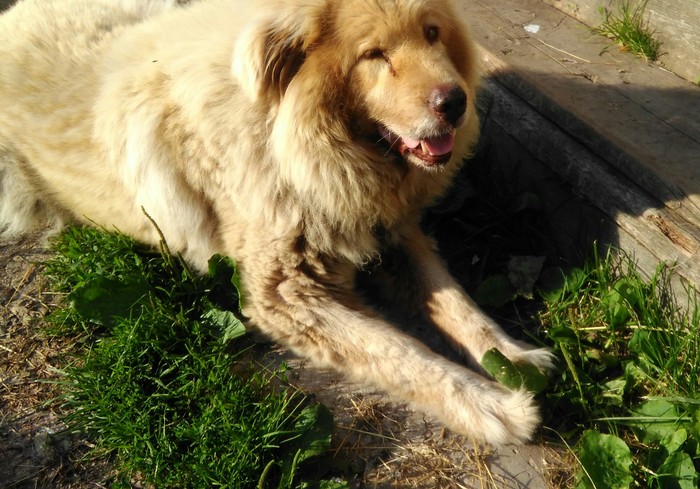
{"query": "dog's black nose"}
pixel 449 103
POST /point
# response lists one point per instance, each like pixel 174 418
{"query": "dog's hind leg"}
pixel 447 305
pixel 312 311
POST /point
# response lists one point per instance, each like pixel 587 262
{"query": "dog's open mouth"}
pixel 430 151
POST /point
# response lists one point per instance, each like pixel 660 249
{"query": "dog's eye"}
pixel 374 53
pixel 432 33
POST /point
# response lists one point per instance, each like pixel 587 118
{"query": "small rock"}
pixel 43 444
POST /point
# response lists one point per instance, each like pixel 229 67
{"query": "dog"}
pixel 303 138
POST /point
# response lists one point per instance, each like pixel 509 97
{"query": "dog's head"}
pixel 397 76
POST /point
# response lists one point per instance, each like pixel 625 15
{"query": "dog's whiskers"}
pixel 391 143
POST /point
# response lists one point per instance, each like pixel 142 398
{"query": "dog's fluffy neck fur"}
pixel 337 204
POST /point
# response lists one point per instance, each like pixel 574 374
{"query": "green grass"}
pixel 160 383
pixel 629 29
pixel 628 393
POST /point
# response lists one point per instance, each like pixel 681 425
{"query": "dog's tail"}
pixel 23 208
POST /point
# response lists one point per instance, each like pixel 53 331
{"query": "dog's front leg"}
pixel 447 305
pixel 317 315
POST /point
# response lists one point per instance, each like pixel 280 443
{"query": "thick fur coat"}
pixel 303 138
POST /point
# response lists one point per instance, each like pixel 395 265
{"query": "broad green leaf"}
pixel 224 272
pixel 528 200
pixel 605 462
pixel 315 423
pixel 621 301
pixel 678 471
pixel 614 391
pixel 646 345
pixel 494 291
pixel 694 434
pixel 675 440
pixel 634 375
pixel 564 334
pixel 103 299
pixel 334 485
pixel 618 310
pixel 512 375
pixel 628 288
pixel 324 484
pixel 655 420
pixel 554 282
pixel 225 322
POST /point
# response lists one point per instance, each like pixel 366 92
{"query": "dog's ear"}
pixel 272 48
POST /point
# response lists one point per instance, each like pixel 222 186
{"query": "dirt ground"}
pixel 33 451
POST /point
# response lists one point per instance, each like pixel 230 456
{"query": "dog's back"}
pixel 50 51
pixel 78 121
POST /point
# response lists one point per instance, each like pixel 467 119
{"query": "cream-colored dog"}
pixel 303 138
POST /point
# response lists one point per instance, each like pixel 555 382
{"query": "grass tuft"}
pixel 160 382
pixel 629 386
pixel 629 29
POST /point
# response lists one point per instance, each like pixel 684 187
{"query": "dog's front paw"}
pixel 503 417
pixel 490 413
pixel 541 358
pixel 520 416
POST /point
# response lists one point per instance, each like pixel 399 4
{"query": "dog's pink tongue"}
pixel 411 143
pixel 435 146
pixel 439 146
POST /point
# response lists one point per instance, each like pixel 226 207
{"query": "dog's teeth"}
pixel 424 148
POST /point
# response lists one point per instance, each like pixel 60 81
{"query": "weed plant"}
pixel 629 29
pixel 629 387
pixel 154 382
